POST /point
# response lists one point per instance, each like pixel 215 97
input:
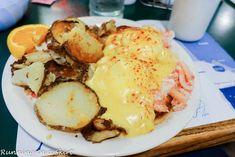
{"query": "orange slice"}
pixel 23 39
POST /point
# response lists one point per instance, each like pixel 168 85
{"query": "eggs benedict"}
pixel 104 81
pixel 134 65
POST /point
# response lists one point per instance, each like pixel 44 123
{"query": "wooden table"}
pixel 188 139
pixel 195 138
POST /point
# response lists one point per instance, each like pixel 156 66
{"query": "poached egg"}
pixel 134 65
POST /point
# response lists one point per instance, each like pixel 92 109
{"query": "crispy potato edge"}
pixel 100 111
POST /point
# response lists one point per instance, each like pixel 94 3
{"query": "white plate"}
pixel 21 108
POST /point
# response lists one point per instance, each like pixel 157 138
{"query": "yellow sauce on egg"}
pixel 134 65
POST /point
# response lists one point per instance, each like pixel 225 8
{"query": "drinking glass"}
pixel 113 8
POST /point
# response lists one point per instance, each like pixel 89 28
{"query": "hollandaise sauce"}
pixel 124 79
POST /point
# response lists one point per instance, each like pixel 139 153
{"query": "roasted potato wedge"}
pixel 101 129
pixel 99 136
pixel 66 72
pixel 61 29
pixel 62 72
pixel 68 106
pixel 103 124
pixel 85 47
pixel 38 56
pixel 30 76
pixel 81 43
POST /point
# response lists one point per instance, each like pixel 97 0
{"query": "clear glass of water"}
pixel 113 8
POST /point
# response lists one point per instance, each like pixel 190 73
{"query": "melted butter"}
pixel 132 67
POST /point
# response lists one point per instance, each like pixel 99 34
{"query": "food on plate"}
pixel 52 70
pixel 68 106
pixel 38 56
pixel 133 80
pixel 61 29
pixel 105 29
pixel 104 81
pixel 81 43
pixel 23 40
pixel 102 135
pixel 30 76
pixel 101 129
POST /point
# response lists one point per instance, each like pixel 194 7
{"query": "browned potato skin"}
pixel 69 129
pixel 101 129
pixel 56 127
pixel 63 128
pixel 88 50
pixel 106 29
pixel 58 28
pixel 74 49
pixel 102 124
pixel 99 136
